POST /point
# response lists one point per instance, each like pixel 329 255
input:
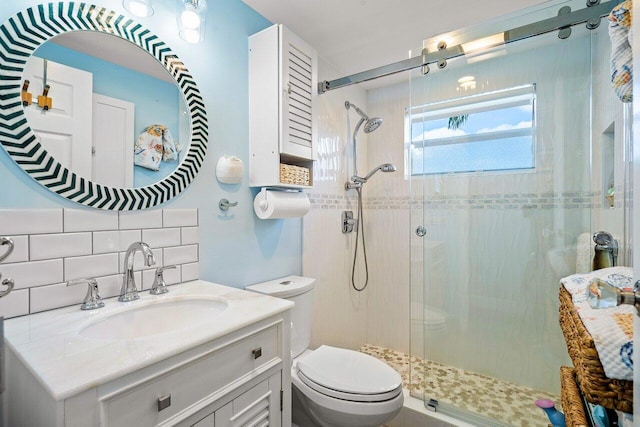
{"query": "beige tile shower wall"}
pixel 340 313
pixel 53 246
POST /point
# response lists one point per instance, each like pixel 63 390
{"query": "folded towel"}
pixel 153 145
pixel 611 328
pixel 621 54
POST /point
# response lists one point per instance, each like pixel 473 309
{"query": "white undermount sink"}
pixel 158 317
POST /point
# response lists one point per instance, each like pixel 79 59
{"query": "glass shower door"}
pixel 505 153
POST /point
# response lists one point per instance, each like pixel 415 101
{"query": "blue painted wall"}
pixel 236 248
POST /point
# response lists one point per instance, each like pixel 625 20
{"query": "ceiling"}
pixel 357 35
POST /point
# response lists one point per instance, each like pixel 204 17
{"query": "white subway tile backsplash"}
pixel 180 217
pixel 89 220
pixel 90 266
pixel 109 286
pixel 173 276
pixel 161 237
pixel 53 246
pixel 114 241
pixel 190 272
pixel 15 304
pixel 49 246
pixel 30 221
pixel 190 236
pixel 36 273
pixel 140 219
pixel 20 251
pixel 181 254
pixel 53 296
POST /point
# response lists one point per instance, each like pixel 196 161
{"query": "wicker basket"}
pixel 595 386
pixel 572 406
pixel 295 175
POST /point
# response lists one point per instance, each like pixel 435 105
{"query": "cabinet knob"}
pixel 164 402
pixel 257 352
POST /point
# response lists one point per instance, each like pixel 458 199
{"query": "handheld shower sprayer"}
pixel 358 181
pixel 355 183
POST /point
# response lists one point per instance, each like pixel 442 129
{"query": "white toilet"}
pixel 332 387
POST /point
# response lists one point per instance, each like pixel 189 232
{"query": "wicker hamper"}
pixel 572 406
pixel 590 376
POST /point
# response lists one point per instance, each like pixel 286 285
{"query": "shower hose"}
pixel 360 226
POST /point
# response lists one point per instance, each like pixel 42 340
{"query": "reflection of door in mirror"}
pixel 112 141
pixel 65 129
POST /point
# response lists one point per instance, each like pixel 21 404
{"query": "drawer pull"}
pixel 164 402
pixel 257 352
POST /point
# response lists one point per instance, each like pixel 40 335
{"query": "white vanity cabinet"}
pixel 241 377
pixel 282 110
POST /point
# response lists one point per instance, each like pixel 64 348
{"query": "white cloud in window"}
pixel 504 127
pixel 442 132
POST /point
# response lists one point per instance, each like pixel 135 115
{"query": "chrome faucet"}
pixel 129 292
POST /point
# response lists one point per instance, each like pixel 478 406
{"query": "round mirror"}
pixel 110 117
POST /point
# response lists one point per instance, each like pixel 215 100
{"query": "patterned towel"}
pixel 153 145
pixel 621 57
pixel 611 328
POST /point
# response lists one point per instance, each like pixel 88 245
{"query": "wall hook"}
pixel 27 98
pixel 225 204
pixel 44 101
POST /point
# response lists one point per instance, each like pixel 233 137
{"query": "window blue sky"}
pixel 496 135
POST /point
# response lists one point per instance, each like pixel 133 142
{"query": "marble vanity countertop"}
pixel 66 363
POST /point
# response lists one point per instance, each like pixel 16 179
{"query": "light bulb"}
pixel 190 18
pixel 141 8
pixel 190 35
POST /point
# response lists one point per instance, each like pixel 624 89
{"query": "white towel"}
pixel 611 327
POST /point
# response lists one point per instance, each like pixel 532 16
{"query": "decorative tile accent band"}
pixel 550 200
pixel 53 246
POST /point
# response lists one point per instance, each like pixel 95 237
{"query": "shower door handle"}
pixel 421 231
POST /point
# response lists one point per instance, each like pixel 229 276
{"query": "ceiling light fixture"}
pixel 191 19
pixel 140 8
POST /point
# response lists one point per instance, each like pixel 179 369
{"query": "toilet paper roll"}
pixel 280 204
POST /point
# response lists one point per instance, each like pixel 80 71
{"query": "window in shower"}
pixel 493 131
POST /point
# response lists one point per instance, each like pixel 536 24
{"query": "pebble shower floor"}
pixel 503 401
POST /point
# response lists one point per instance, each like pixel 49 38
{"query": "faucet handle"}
pixel 159 285
pixel 92 300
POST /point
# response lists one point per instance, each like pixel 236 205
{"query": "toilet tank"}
pixel 299 290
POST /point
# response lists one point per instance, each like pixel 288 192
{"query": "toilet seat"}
pixel 348 375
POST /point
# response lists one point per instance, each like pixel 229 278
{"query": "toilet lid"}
pixel 349 372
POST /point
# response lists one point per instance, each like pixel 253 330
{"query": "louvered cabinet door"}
pixel 282 118
pixel 258 407
pixel 299 84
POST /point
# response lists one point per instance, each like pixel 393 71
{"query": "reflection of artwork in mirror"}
pixel 102 108
pixel 84 144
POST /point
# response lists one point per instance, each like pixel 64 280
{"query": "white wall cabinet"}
pixel 282 112
pixel 241 379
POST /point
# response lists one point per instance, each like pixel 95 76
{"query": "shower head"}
pixel 385 167
pixel 370 124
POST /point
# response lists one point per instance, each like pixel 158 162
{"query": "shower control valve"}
pixel 348 222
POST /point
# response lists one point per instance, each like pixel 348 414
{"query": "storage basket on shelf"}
pixel 295 175
pixel 572 406
pixel 596 387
